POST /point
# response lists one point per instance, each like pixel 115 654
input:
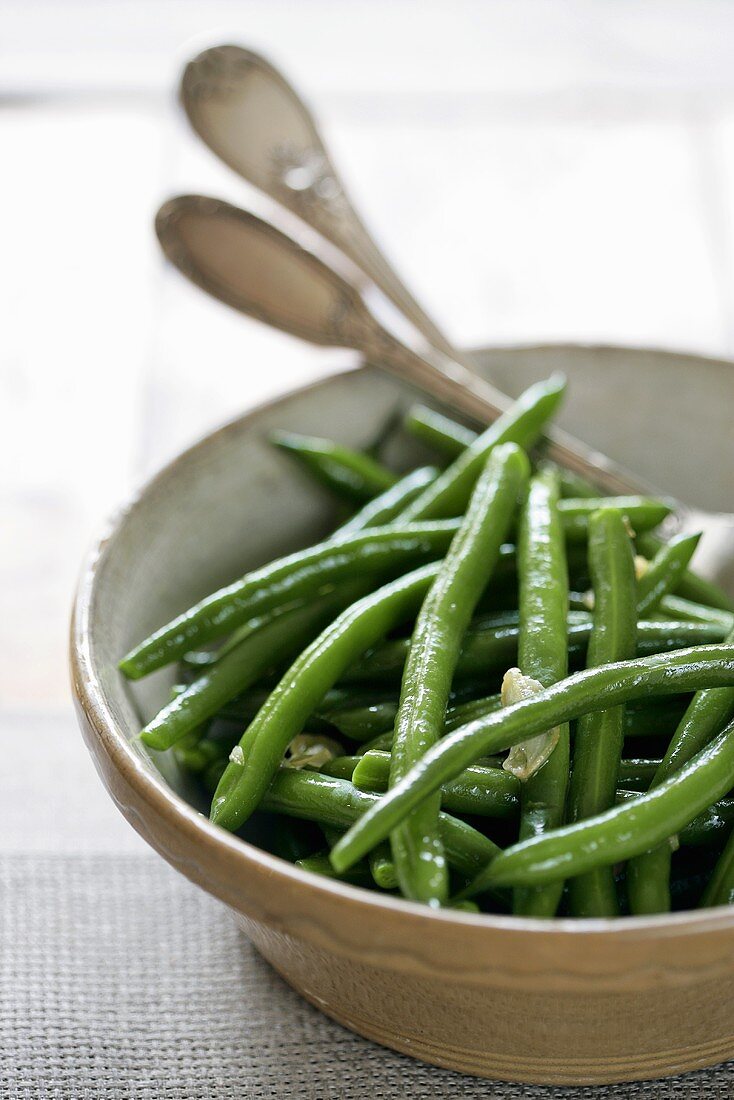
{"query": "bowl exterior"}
pixel 499 998
pixel 544 1002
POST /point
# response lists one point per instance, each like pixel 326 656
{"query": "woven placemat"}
pixel 120 979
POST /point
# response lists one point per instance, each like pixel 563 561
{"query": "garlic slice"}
pixel 311 750
pixel 641 566
pixel 526 758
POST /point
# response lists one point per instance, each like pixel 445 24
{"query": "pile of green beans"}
pixel 489 688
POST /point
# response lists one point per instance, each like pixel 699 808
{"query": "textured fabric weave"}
pixel 119 979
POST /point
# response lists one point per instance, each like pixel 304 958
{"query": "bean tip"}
pixel 153 740
pixel 339 856
pixel 129 668
pixel 287 441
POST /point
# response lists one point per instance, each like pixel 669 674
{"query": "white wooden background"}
pixel 537 169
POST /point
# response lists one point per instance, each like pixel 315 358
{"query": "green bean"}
pixel 202 658
pixel 361 723
pixel 663 573
pixel 706 714
pixel 380 509
pixel 380 859
pixel 675 607
pixel 278 640
pixel 254 763
pixel 432 655
pixel 337 698
pixel 450 438
pixel 462 713
pixel 690 586
pixel 642 513
pixel 379 865
pixel 350 474
pixel 438 431
pixel 244 707
pixel 378 720
pixel 581 602
pixel 212 775
pixel 710 826
pixel 522 424
pixel 636 774
pixel 653 718
pixel 315 797
pixel 495 649
pixel 649 874
pixel 382 743
pixel 195 736
pixel 287 838
pixel 648 880
pixel 592 689
pixel 382 866
pixel 197 758
pixel 600 735
pixel 543 655
pixel 332 833
pixel 621 832
pixel 482 791
pixel 386 507
pixel 543 615
pixel 573 484
pixel 720 887
pixel 341 767
pixel 484 650
pixel 197 659
pixel 298 576
pixel 319 864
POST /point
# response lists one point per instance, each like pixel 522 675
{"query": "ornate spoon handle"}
pixel 258 270
pixel 252 118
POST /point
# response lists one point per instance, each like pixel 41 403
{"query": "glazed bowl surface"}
pixel 536 1001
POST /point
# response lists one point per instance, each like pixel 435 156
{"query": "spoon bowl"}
pixel 246 111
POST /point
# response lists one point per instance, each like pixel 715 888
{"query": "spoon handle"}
pixel 258 270
pixel 465 392
pixel 352 237
pixel 246 111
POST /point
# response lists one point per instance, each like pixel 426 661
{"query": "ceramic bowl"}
pixel 536 1001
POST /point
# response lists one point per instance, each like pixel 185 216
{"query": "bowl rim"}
pixel 601 346
pixel 153 790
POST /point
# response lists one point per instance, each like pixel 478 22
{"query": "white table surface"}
pixel 538 170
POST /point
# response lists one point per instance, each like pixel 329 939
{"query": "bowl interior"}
pixel 229 504
pixel 662 415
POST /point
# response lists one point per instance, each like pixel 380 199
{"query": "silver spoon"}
pixel 251 117
pixel 258 270
pixel 249 114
